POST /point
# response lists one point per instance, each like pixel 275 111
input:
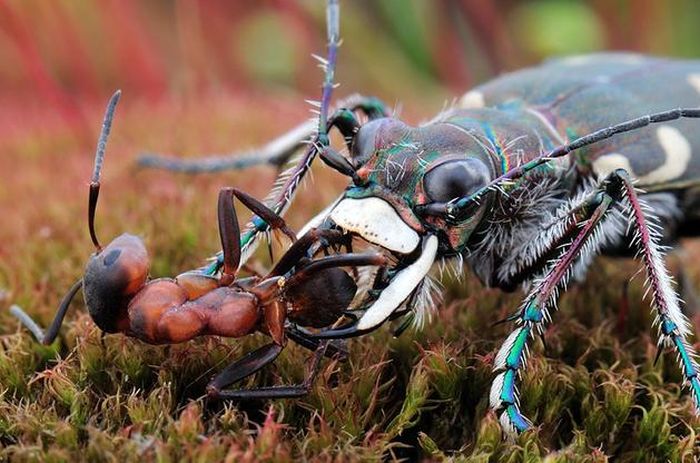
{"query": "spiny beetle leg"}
pixel 617 188
pixel 274 392
pixel 532 317
pixel 276 153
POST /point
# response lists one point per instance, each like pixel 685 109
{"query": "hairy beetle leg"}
pixel 535 311
pixel 276 153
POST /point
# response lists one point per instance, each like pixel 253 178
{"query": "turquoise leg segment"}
pixel 686 361
pixel 695 389
pixel 508 393
pixel 533 313
pixel 519 422
pixel 515 357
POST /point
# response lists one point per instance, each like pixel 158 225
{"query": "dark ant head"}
pixel 112 277
pixel 113 274
pixel 331 289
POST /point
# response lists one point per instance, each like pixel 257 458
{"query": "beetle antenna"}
pixel 333 31
pixel 454 208
pixel 99 160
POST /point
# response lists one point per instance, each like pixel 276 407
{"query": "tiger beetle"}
pixel 526 179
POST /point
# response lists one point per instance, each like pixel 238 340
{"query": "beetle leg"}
pixel 276 153
pixel 252 363
pixel 534 312
pixel 531 319
pixel 673 325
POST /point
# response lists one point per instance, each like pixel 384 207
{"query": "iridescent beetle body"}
pixel 514 233
pixel 527 178
pixel 513 119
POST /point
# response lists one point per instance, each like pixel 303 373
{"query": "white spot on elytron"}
pixel 606 164
pixel 472 100
pixel 401 286
pixel 376 221
pixel 677 153
pixel 694 81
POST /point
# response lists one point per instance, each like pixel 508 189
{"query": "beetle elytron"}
pixel 526 178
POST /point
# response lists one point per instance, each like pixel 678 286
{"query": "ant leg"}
pixel 271 392
pixel 243 367
pixel 334 350
pixel 265 213
pixel 342 260
pixel 48 336
pixel 300 247
pixel 229 232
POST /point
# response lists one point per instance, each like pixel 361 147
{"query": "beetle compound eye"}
pixel 455 179
pixel 364 146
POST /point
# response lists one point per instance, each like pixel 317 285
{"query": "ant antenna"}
pixel 99 160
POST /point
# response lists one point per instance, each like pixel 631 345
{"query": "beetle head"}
pixel 401 172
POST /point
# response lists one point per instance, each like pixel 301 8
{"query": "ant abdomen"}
pixel 162 313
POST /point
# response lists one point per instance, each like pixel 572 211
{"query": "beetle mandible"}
pixel 526 178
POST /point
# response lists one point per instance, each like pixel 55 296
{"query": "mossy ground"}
pixel 595 392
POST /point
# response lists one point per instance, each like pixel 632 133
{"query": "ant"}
pixel 299 290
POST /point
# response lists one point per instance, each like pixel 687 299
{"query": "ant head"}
pixel 112 277
pixel 113 274
pixel 332 289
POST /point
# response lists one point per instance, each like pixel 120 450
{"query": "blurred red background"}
pixel 59 56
